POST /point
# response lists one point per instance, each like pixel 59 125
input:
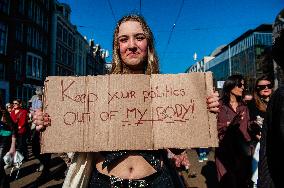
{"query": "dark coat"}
pixel 271 162
pixel 233 164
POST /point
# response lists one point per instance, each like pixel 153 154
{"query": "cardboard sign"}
pixel 128 112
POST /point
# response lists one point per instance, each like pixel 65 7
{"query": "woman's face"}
pixel 133 44
pixel 264 88
pixel 9 108
pixel 16 105
pixel 238 89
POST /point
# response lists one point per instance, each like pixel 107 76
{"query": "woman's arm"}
pixel 13 145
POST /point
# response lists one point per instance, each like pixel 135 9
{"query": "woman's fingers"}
pixel 181 160
pixel 213 102
pixel 41 119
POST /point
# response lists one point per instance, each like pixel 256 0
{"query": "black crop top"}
pixel 153 157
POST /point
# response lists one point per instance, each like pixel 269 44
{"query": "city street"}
pixel 28 176
pixel 201 175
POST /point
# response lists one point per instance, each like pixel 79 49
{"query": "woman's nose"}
pixel 132 44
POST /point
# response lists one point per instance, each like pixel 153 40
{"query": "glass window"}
pixel 2 71
pixel 18 67
pixel 25 94
pixel 30 9
pixel 29 65
pixel 64 35
pixel 4 6
pixel 3 37
pixel 34 66
pixel 69 39
pixel 19 32
pixel 59 31
pixel 19 93
pixel 21 6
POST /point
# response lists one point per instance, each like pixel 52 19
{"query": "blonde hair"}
pixel 151 66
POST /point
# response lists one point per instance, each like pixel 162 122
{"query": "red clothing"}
pixel 21 119
pixel 233 167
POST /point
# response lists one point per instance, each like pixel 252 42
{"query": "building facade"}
pixel 62 41
pixel 24 36
pixel 37 39
pixel 199 66
pixel 71 54
pixel 96 64
pixel 248 55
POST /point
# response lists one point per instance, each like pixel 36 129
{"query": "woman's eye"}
pixel 140 38
pixel 123 40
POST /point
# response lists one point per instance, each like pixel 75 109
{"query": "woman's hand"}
pixel 258 137
pixel 41 120
pixel 180 160
pixel 213 102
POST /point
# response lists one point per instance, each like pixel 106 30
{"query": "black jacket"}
pixel 271 162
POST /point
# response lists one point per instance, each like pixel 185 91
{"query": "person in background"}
pixel 20 117
pixel 9 107
pixel 8 134
pixel 233 157
pixel 44 159
pixel 247 97
pixel 257 109
pixel 202 154
pixel 271 163
pixel 133 53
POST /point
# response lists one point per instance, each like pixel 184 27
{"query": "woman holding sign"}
pixel 133 53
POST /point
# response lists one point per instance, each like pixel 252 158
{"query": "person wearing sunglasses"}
pixel 257 109
pixel 20 117
pixel 233 156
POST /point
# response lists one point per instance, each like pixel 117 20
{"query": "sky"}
pixel 181 27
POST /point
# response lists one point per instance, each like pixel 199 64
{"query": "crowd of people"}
pixel 17 131
pixel 250 130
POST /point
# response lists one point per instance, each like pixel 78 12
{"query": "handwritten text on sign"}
pixel 169 113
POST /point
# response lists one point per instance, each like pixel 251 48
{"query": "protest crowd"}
pixel 250 130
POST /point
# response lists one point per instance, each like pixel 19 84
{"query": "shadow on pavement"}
pixel 55 174
pixel 209 172
pixel 24 171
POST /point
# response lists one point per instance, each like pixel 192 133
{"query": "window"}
pixel 70 40
pixel 29 36
pixel 30 9
pixel 4 6
pixel 19 32
pixel 59 31
pixel 3 37
pixel 45 22
pixel 2 71
pixel 34 66
pixel 18 67
pixel 19 92
pixel 21 6
pixel 64 35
